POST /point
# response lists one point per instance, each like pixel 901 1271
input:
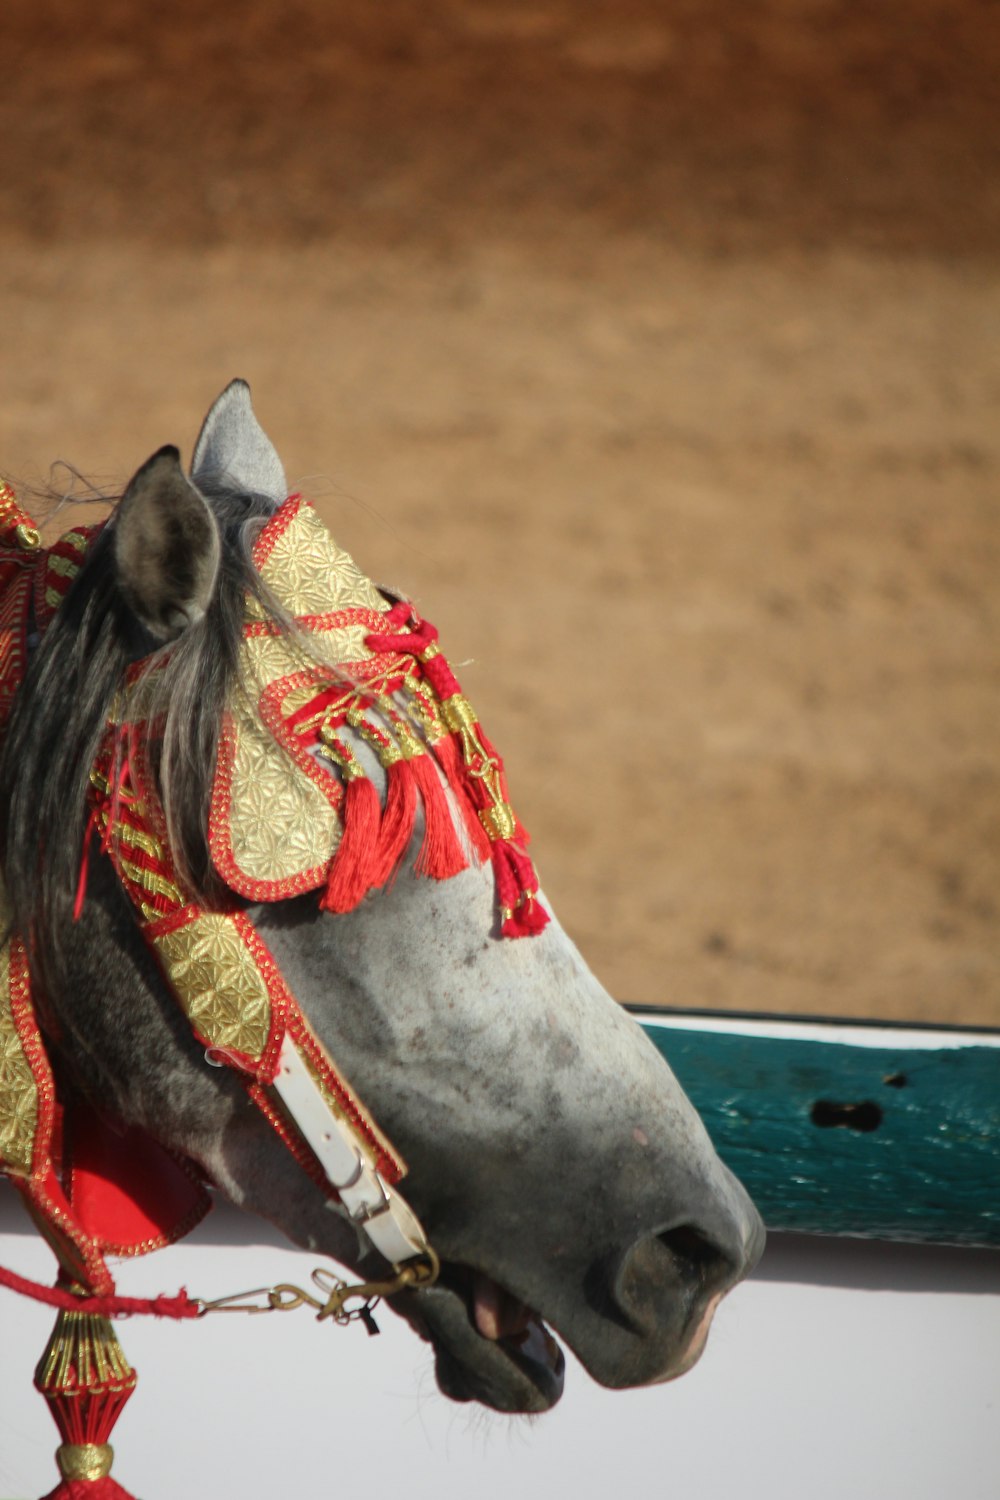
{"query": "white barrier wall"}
pixel 843 1369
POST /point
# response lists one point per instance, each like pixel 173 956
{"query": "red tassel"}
pixel 448 753
pixel 86 1381
pixel 517 886
pixel 449 757
pixel 527 920
pixel 354 868
pixel 89 1489
pixel 441 853
pixel 398 818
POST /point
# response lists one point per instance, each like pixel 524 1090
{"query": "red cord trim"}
pixel 275 529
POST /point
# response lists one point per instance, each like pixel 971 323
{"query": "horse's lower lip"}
pixel 516 1365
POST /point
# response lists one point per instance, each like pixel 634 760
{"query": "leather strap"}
pixel 367 1199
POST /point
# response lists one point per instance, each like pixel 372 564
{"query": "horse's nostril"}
pixel 688 1244
pixel 700 1263
pixel 667 1269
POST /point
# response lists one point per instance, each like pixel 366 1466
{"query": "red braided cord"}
pixel 412 641
pixel 181 1306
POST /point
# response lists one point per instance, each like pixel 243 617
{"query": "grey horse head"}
pixel 566 1182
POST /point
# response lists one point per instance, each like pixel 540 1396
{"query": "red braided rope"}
pixel 416 637
pixel 181 1306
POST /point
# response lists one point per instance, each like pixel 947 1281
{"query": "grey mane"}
pixel 61 710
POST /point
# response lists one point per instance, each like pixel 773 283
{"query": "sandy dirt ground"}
pixel 654 348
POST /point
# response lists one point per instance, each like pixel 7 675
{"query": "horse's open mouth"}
pixel 489 1346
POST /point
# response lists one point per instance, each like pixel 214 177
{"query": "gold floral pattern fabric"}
pixel 276 823
pixel 218 983
pixel 280 823
pixel 310 574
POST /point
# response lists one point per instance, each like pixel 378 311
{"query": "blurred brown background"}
pixel 654 347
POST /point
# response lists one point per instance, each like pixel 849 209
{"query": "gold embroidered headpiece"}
pixel 356 670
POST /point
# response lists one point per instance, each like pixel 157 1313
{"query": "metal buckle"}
pixel 365 1211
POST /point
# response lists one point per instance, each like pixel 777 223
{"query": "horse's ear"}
pixel 166 546
pixel 233 449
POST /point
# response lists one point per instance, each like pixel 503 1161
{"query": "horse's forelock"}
pixel 190 680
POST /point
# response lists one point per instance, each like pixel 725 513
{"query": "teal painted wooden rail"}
pixel 879 1131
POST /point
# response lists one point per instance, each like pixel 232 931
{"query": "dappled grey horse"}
pixel 560 1173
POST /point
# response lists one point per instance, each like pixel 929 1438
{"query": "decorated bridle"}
pixel 358 680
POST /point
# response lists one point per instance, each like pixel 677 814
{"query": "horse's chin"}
pixel 516 1366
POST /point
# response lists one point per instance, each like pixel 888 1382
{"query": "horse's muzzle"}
pixel 662 1294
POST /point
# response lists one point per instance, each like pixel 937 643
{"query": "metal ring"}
pixel 355 1177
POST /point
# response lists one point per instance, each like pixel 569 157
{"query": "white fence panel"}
pixel 842 1369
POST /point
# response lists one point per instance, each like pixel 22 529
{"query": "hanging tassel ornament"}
pixel 480 773
pixel 445 751
pixel 522 914
pixel 374 840
pixel 400 811
pixel 86 1380
pixel 354 867
pixel 441 854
